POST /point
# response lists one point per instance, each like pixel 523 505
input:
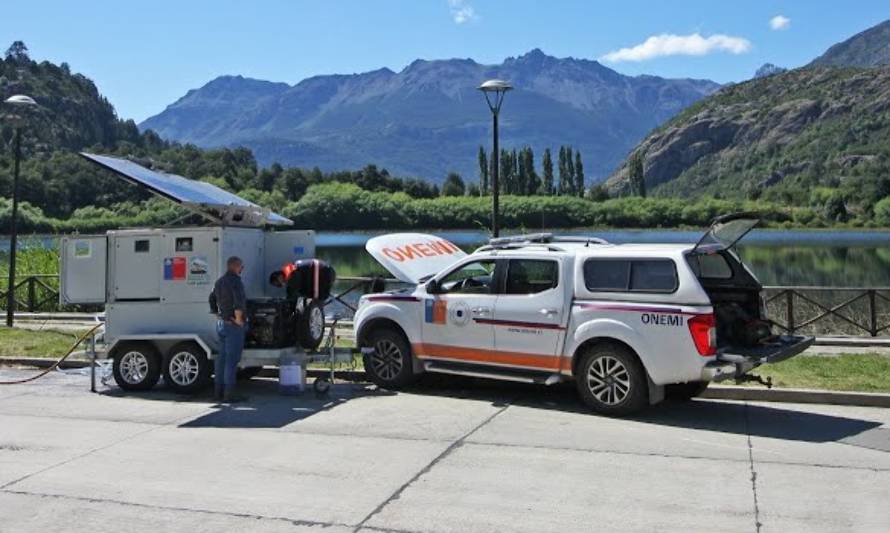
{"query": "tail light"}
pixel 704 334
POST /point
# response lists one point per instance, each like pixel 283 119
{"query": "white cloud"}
pixel 779 22
pixel 462 12
pixel 668 44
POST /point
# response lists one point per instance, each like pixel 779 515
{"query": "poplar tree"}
pixel 570 171
pixel 579 175
pixel 636 175
pixel 563 172
pixel 483 171
pixel 547 164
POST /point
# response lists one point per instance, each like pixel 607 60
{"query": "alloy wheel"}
pixel 184 368
pixel 386 360
pixel 608 380
pixel 134 367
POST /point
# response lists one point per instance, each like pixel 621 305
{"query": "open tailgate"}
pixel 779 348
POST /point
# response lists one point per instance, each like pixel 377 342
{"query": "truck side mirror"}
pixel 432 287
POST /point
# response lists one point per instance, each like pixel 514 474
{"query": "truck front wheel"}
pixel 137 366
pixel 389 365
pixel 611 380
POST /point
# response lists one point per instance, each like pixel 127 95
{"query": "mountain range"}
pixel 429 119
pixel 817 135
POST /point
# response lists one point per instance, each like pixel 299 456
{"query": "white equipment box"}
pixel 155 282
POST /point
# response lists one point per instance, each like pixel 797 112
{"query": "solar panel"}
pixel 205 198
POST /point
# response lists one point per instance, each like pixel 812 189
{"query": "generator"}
pixel 155 282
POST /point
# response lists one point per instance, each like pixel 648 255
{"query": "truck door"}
pixel 456 319
pixel 529 314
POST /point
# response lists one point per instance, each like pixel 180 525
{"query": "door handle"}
pixel 549 311
pixel 481 311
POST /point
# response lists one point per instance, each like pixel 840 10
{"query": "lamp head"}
pixel 498 88
pixel 20 100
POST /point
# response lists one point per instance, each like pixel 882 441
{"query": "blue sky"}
pixel 145 55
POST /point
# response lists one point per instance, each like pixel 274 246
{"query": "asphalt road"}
pixel 450 455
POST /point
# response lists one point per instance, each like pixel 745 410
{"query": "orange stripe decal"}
pixel 546 362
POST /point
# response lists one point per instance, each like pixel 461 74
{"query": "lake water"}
pixel 778 257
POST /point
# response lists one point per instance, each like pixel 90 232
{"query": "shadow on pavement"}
pixel 265 407
pixel 705 415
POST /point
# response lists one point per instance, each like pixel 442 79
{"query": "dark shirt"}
pixel 229 294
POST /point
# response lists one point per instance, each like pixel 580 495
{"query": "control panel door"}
pixel 137 274
pixel 530 313
pixel 83 269
pixel 456 323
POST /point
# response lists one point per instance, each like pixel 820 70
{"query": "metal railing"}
pixel 855 311
pixel 35 292
pixel 836 311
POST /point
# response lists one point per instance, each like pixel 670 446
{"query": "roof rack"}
pixel 541 238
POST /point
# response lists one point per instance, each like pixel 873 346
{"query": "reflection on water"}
pixel 817 258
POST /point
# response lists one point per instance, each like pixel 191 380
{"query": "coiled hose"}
pixel 57 363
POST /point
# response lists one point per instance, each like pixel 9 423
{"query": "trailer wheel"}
pixel 137 366
pixel 186 369
pixel 683 392
pixel 310 325
pixel 612 381
pixel 389 366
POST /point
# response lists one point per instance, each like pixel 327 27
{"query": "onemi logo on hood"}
pixel 413 256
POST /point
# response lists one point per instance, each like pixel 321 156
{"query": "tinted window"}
pixel 656 275
pixel 528 276
pixel 643 275
pixel 141 246
pixel 711 266
pixel 606 275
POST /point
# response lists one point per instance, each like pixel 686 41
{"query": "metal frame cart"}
pixel 332 355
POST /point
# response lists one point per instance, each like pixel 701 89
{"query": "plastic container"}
pixel 291 374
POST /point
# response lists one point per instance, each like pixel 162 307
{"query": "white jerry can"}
pixel 291 374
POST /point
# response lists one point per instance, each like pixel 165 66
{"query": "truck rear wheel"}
pixel 389 366
pixel 683 392
pixel 611 380
pixel 186 369
pixel 137 366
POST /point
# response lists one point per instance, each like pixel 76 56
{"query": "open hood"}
pixel 412 257
pixel 726 231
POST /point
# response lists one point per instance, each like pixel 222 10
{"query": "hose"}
pixel 57 363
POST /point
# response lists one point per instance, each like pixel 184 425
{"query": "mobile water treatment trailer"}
pixel 155 282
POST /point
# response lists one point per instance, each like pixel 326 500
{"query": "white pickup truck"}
pixel 628 323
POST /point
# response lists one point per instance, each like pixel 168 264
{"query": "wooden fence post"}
pixel 872 313
pixel 789 310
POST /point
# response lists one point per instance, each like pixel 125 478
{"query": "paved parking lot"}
pixel 450 455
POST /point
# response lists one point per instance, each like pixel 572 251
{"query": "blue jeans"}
pixel 231 344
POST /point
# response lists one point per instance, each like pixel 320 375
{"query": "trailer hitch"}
pixel 748 378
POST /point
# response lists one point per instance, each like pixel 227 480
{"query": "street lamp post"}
pixel 494 91
pixel 20 101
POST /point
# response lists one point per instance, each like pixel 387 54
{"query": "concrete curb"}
pixel 715 392
pixel 862 399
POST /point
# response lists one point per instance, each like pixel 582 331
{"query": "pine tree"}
pixel 579 175
pixel 547 163
pixel 483 171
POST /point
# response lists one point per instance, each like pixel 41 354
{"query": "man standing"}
pixel 231 307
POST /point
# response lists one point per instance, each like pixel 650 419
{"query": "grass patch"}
pixel 17 342
pixel 848 372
